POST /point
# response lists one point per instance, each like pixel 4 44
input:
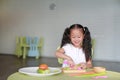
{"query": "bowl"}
pixel 99 69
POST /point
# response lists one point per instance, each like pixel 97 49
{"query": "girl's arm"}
pixel 89 63
pixel 60 54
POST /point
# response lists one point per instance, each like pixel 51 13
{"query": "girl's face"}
pixel 76 36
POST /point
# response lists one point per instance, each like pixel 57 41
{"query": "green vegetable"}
pixel 66 68
pixel 43 71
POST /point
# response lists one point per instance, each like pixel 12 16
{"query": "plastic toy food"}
pixel 74 69
pixel 99 69
pixel 43 69
pixel 43 66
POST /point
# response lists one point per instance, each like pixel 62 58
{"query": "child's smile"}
pixel 76 37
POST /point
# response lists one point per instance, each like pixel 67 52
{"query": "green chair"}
pixel 60 60
pixel 93 46
pixel 20 41
pixel 40 44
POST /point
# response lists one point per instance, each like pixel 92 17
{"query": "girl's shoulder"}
pixel 71 46
pixel 67 46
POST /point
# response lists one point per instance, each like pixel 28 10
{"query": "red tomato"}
pixel 43 66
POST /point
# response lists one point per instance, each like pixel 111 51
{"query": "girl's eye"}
pixel 76 37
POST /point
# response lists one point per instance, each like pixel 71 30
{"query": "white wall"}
pixel 35 18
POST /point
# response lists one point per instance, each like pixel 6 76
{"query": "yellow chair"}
pixel 93 46
pixel 40 44
pixel 20 41
pixel 60 60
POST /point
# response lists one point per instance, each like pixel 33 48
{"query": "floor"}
pixel 10 64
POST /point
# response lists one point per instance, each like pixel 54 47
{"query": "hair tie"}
pixel 84 29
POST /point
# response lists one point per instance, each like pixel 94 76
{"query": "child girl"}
pixel 76 47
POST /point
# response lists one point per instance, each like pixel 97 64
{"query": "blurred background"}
pixel 49 18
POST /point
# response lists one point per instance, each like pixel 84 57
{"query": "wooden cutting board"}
pixel 74 71
pixel 83 73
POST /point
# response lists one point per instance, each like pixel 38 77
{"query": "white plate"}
pixel 32 71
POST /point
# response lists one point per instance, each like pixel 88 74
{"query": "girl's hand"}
pixel 89 64
pixel 83 65
pixel 71 63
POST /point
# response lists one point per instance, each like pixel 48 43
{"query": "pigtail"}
pixel 87 44
pixel 65 38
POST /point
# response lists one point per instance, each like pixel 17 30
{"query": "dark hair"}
pixel 86 41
